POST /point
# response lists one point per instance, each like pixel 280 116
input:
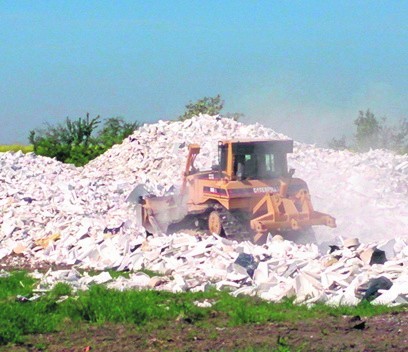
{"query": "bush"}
pixel 368 131
pixel 338 144
pixel 115 130
pixel 374 133
pixel 206 105
pixel 209 106
pixel 233 115
pixel 74 142
pixel 398 136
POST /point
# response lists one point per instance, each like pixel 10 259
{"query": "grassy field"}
pixel 16 148
pixel 63 310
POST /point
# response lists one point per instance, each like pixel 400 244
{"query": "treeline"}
pixel 375 133
pixel 81 140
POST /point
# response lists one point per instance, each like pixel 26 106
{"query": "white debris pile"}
pixel 55 212
pixel 367 193
pixel 279 269
pixel 155 154
pixel 42 200
pixel 49 210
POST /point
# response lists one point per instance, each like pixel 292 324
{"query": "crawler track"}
pixel 235 226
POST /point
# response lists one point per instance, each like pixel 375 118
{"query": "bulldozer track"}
pixel 234 226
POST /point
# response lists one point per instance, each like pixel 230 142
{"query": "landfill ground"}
pixel 387 332
pixel 380 333
pixel 57 213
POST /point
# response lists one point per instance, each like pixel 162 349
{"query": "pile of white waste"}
pixel 61 214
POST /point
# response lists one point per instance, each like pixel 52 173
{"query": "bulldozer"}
pixel 248 194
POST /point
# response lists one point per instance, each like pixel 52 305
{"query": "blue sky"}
pixel 304 68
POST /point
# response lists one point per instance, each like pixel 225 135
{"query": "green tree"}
pixel 368 131
pixel 115 130
pixel 372 132
pixel 338 144
pixel 210 106
pixel 234 115
pixel 75 142
pixel 206 105
pixel 397 137
pixel 70 142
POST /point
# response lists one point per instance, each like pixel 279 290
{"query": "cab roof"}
pixel 282 145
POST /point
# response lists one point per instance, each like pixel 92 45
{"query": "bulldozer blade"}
pixel 138 192
pixel 260 237
pixel 139 215
pixel 158 227
pixel 152 225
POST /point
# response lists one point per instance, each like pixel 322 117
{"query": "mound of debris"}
pixel 55 212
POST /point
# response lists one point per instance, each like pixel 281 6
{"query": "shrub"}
pixel 75 142
pixel 207 105
pixel 368 131
pixel 115 130
pixel 338 144
pixel 374 133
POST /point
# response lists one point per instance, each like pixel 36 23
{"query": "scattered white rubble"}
pixel 339 277
pixel 54 212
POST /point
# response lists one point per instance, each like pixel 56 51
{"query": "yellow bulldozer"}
pixel 248 194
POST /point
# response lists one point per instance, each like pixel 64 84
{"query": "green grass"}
pixel 147 309
pixel 115 274
pixel 16 148
pixel 18 283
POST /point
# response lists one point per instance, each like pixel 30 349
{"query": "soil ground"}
pixel 380 333
pixel 388 332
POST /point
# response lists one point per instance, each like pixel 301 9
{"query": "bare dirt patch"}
pixel 380 333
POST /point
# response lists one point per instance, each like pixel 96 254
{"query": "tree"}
pixel 368 134
pixel 75 142
pixel 115 130
pixel 70 143
pixel 233 115
pixel 398 136
pixel 210 106
pixel 206 105
pixel 375 133
pixel 338 144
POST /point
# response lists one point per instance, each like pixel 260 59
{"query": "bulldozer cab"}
pixel 246 160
